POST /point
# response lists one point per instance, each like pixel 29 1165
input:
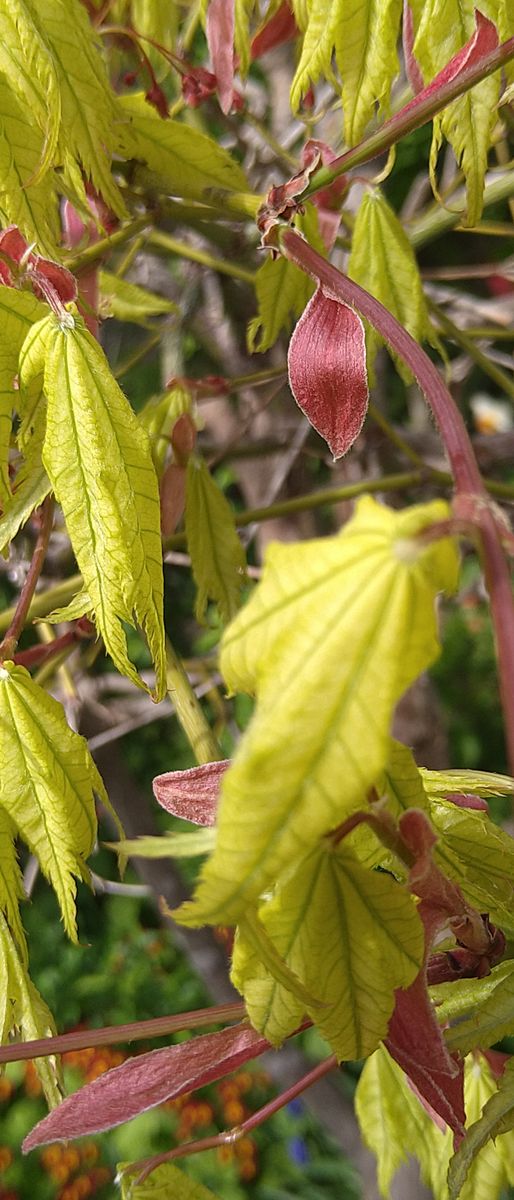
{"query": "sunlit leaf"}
pixel 183 161
pixel 497 1117
pixel 17 312
pixel 23 1013
pixel 98 460
pixel 480 783
pixel 31 493
pixel 317 643
pixel 480 1011
pixel 169 845
pixel 47 784
pixel 217 555
pixel 330 920
pixel 395 1125
pixel 28 62
pixel 478 855
pixel 25 201
pixel 443 28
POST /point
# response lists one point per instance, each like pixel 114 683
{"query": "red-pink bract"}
pixel 145 1081
pixel 20 264
pixel 220 39
pixel 193 794
pixel 327 370
pixel 485 39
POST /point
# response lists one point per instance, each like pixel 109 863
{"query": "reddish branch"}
pixel 10 641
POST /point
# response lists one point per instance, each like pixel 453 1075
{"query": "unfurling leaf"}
pixel 143 1082
pixel 217 555
pixel 167 845
pixel 129 302
pixel 98 460
pixel 192 794
pixel 47 784
pixel 327 371
pixel 317 644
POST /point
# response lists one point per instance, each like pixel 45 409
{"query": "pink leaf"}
pixel 220 39
pixel 281 28
pixel 193 794
pixel 485 39
pixel 145 1081
pixel 468 800
pixel 327 370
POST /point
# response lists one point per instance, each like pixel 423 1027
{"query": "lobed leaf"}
pixel 145 1081
pixel 317 645
pixel 383 262
pixel 28 63
pixel 48 784
pixel 183 161
pixel 98 460
pixel 480 783
pixel 32 490
pixel 350 935
pixel 478 855
pixel 217 556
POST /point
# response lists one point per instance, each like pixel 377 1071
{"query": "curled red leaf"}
pixel 484 39
pixel 281 28
pixel 193 794
pixel 327 370
pixel 20 266
pixel 145 1081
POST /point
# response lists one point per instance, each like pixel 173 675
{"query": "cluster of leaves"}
pixel 362 888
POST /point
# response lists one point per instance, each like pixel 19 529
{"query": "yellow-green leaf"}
pixel 491 1112
pixel 383 262
pixel 480 1011
pixel 89 114
pixel 478 855
pixel 11 883
pixel 23 1013
pixel 25 201
pixel 129 302
pixel 32 491
pixel 318 644
pixel 163 1184
pixel 98 460
pixel 351 936
pixel 27 60
pixel 282 290
pixel 47 784
pixel 443 28
pixel 217 555
pixel 365 39
pixel 158 417
pixel 403 781
pixel 395 1125
pixel 183 161
pixel 479 783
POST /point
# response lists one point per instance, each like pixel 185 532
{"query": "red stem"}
pixel 471 501
pixel 109 1035
pixel 414 114
pixel 10 641
pixel 229 1136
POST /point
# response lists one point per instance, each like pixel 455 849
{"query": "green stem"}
pixel 189 711
pixel 462 339
pixel 414 115
pixel 99 250
pixel 164 241
pixel 440 220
